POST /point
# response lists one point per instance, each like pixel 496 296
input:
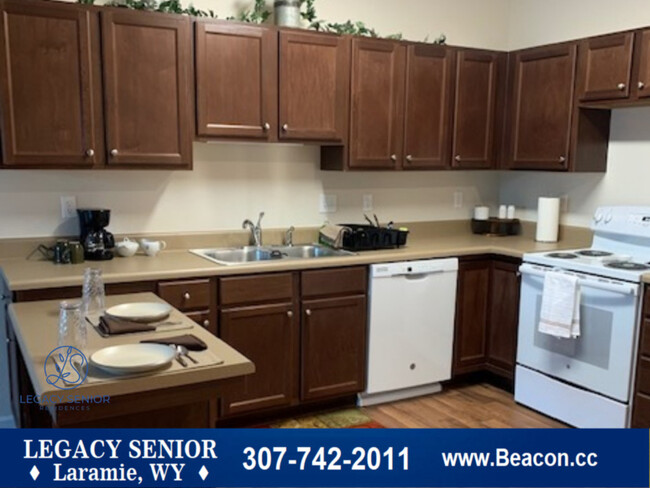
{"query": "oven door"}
pixel 600 359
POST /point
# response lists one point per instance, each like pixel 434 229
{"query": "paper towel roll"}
pixel 548 219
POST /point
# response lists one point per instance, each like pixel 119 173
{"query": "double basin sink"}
pixel 257 254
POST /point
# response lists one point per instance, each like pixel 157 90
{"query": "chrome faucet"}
pixel 288 236
pixel 256 230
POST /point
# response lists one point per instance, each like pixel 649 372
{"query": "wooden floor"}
pixel 475 405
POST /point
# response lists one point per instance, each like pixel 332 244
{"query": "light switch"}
pixel 367 202
pixel 327 203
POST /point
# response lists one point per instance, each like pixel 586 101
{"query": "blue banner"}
pixel 324 458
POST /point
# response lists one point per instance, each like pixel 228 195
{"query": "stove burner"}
pixel 593 253
pixel 562 255
pixel 627 265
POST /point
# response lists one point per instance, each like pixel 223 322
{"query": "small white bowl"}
pixel 126 248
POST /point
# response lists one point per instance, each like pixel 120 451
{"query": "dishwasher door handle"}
pixel 419 276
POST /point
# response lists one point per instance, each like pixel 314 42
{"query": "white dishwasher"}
pixel 411 329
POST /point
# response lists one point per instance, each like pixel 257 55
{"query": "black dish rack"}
pixel 367 237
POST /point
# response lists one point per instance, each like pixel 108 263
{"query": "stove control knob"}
pixel 598 217
pixel 608 218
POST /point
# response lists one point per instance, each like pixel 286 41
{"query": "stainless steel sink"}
pixel 253 254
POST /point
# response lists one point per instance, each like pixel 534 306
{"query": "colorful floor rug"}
pixel 340 419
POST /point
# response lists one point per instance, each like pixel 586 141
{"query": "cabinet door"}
pixel 605 65
pixel 470 342
pixel 477 78
pixel 641 87
pixel 428 106
pixel 377 117
pixel 542 107
pixel 504 318
pixel 314 86
pixel 268 336
pixel 50 86
pixel 147 79
pixel 236 80
pixel 333 347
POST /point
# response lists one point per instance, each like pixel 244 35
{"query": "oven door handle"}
pixel 613 286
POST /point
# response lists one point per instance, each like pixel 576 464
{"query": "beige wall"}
pixel 231 182
pixel 534 22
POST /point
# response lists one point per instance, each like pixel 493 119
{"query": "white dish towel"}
pixel 560 315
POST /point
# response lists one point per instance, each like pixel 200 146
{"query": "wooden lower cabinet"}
pixel 333 347
pixel 470 344
pixel 641 397
pixel 487 316
pixel 268 336
pixel 503 318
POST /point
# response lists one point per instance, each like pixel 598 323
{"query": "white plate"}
pixel 140 312
pixel 132 358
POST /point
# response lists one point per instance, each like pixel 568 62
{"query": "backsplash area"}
pixel 231 182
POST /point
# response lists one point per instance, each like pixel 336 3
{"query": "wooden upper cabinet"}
pixel 429 71
pixel 605 66
pixel 641 86
pixel 50 85
pixel 236 80
pixel 478 75
pixel 148 88
pixel 377 117
pixel 314 86
pixel 542 106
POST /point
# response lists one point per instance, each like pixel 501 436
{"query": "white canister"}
pixel 503 212
pixel 510 213
pixel 481 213
pixel 548 219
pixel 287 13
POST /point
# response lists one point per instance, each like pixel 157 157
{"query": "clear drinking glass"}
pixel 72 327
pixel 93 294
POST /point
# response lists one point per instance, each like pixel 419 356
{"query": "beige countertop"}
pixel 36 327
pixel 426 240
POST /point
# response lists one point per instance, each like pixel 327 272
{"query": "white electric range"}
pixel 587 381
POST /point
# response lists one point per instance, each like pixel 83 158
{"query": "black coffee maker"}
pixel 98 243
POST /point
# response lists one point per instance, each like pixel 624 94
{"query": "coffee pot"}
pixel 98 243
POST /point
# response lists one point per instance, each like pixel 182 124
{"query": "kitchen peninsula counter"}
pixel 143 396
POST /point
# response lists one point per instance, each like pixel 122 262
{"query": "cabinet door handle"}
pixel 114 152
pixel 457 158
pixel 206 323
pixel 409 158
pixel 289 313
pixel 285 127
pixel 562 159
pixel 641 85
pixel 266 127
pixel 187 295
pixel 308 313
pixel 90 153
pixel 621 86
pixel 393 157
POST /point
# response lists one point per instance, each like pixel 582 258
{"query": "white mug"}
pixel 481 213
pixel 151 248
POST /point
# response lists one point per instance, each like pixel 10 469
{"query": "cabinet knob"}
pixel 409 158
pixel 621 86
pixel 308 313
pixel 457 157
pixel 393 157
pixel 187 296
pixel 206 323
pixel 90 153
pixel 285 127
pixel 266 126
pixel 114 152
pixel 641 85
pixel 562 159
pixel 289 314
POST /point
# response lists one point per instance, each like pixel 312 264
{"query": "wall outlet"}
pixel 327 203
pixel 458 199
pixel 367 202
pixel 68 207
